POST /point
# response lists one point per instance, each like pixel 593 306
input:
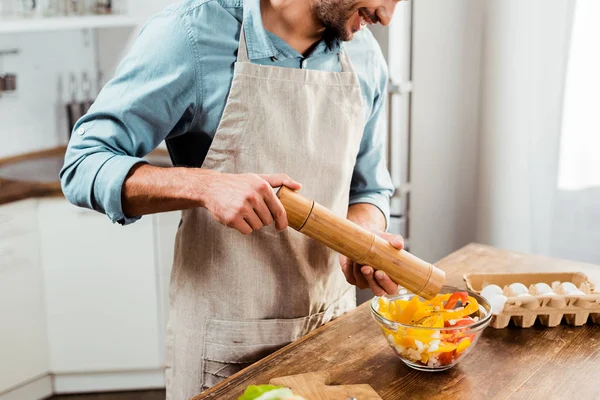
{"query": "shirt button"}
pixel 80 131
pixel 304 62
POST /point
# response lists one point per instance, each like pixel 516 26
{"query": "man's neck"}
pixel 293 21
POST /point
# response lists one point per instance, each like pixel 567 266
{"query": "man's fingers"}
pixel 272 202
pixel 254 221
pixel 277 211
pixel 386 283
pixel 361 281
pixel 395 240
pixel 263 213
pixel 346 265
pixel 368 274
pixel 281 180
pixel 242 226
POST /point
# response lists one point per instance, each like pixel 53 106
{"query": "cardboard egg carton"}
pixel 550 308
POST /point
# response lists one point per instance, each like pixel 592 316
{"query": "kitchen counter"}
pixel 35 174
pixel 533 363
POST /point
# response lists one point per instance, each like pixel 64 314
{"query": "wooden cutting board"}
pixel 314 386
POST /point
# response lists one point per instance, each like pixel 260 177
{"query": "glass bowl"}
pixel 432 349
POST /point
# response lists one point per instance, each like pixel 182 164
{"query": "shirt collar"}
pixel 257 38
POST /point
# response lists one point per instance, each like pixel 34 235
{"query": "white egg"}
pixel 497 302
pixel 542 289
pixel 518 288
pixel 491 290
pixel 568 287
pixel 576 292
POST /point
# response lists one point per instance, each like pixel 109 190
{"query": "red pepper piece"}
pixel 464 321
pixel 462 296
pixel 446 358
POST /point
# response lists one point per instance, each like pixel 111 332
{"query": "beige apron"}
pixel 236 298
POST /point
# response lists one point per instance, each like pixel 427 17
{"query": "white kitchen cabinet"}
pixel 101 291
pixel 23 336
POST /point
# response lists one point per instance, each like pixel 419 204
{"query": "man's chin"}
pixel 347 35
pixel 333 35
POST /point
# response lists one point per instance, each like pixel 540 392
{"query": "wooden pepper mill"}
pixel 360 245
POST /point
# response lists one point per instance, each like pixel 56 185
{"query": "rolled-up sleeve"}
pixel 371 181
pixel 153 96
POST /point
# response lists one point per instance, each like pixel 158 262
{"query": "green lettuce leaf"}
pixel 254 392
pixel 279 394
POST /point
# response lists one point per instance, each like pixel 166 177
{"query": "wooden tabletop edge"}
pixel 34 155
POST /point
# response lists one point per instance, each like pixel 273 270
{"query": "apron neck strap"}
pixel 345 61
pixel 243 53
pixel 243 48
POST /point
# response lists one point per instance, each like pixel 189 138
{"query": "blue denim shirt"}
pixel 173 86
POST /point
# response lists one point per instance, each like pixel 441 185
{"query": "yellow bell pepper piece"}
pixel 422 335
pixel 423 313
pixel 438 301
pixel 405 341
pixel 383 305
pixel 406 316
pixel 469 309
pixel 401 304
pixel 445 347
pixel 463 345
pixel 433 321
pixel 384 309
pixel 393 310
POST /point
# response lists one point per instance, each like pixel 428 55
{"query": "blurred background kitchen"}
pixel 494 137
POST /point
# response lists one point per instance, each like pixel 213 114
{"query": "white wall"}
pixel 526 47
pixel 395 41
pixel 446 75
pixel 521 204
pixel 34 117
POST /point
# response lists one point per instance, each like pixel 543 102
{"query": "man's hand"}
pixel 371 218
pixel 246 202
pixel 364 276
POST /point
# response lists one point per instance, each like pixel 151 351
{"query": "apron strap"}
pixel 243 48
pixel 345 61
pixel 243 53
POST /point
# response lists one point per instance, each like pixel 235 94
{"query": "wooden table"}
pixel 515 363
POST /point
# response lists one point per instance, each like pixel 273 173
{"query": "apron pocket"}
pixel 215 372
pixel 230 346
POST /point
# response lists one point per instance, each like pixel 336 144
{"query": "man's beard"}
pixel 334 16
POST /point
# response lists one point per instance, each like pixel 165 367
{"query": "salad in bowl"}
pixel 432 335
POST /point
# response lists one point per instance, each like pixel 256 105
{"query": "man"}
pixel 244 95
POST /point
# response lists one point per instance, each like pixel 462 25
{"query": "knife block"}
pixel 360 245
